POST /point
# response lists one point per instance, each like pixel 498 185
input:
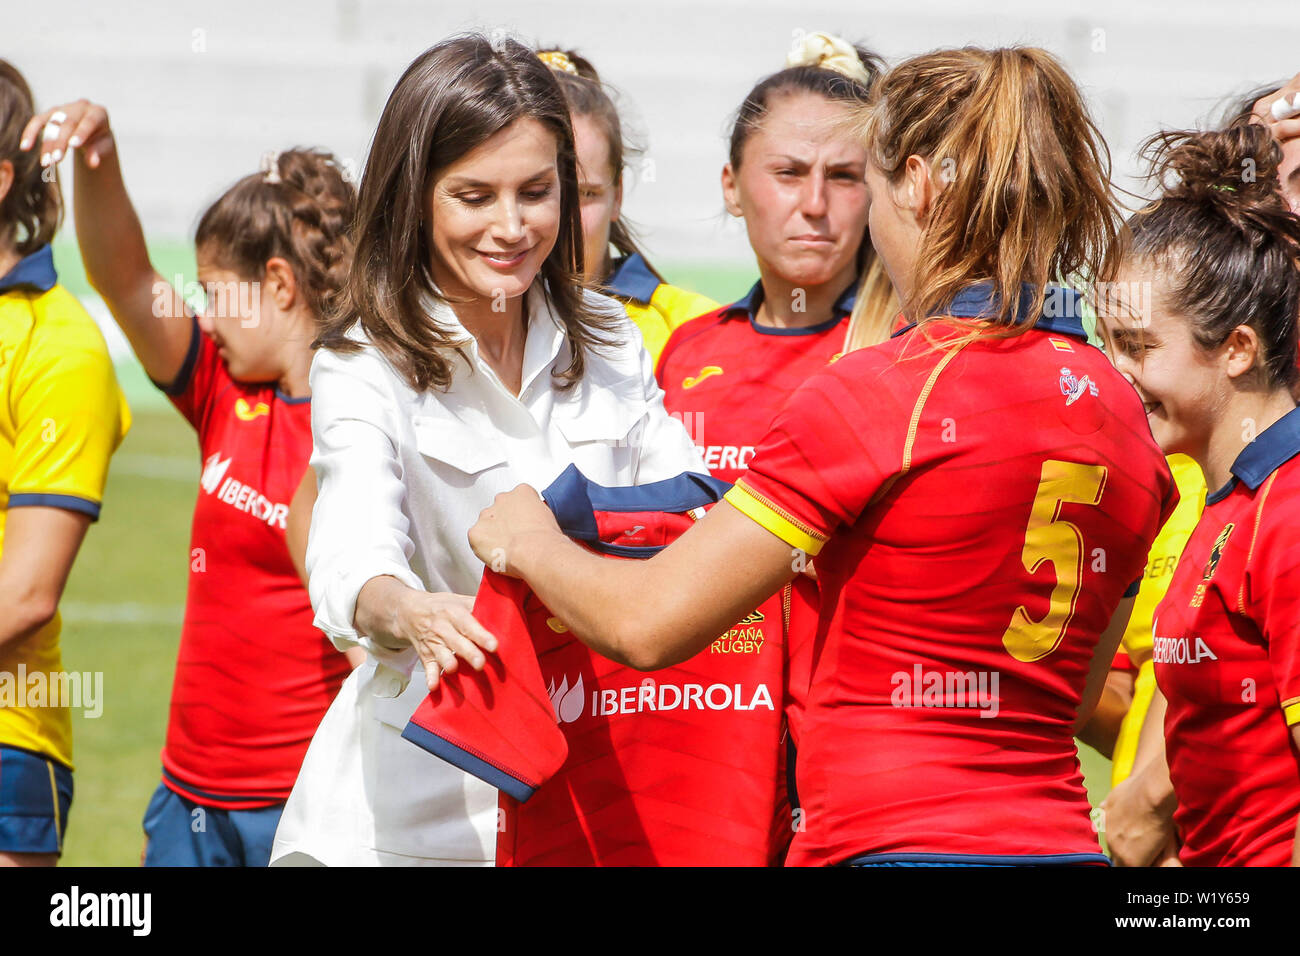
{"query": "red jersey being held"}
pixel 254 677
pixel 676 767
pixel 977 512
pixel 725 376
pixel 1227 657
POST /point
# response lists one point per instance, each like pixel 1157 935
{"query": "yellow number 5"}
pixel 1048 538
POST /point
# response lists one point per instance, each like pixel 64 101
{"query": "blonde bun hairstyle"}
pixel 829 52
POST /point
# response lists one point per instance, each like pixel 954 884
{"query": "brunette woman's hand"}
pixel 440 626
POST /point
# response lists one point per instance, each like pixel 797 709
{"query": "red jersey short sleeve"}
pixel 498 725
pixel 202 374
pixel 1271 592
pixel 815 469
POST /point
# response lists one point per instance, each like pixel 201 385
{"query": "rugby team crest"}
pixel 1212 564
pixel 1216 552
pixel 1073 388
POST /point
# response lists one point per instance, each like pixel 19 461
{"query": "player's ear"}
pixel 281 282
pixel 731 191
pixel 920 188
pixel 1241 351
pixel 618 203
pixel 6 178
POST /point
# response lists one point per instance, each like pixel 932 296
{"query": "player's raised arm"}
pixel 150 312
pixel 645 614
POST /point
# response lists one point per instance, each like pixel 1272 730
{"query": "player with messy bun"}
pixel 254 676
pixel 651 302
pixel 1202 318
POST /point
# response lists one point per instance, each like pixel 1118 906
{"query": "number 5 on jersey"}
pixel 1050 538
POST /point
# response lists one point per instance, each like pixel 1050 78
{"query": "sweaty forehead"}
pixel 807 126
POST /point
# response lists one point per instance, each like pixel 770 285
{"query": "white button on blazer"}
pixel 402 477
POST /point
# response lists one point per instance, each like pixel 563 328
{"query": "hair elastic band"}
pixel 271 168
pixel 829 52
pixel 558 60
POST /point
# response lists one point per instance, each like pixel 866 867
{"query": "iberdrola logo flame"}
pixel 567 701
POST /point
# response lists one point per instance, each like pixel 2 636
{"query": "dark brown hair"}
pixel 299 209
pixel 1225 239
pixel 31 210
pixel 588 96
pixel 450 100
pixel 1027 196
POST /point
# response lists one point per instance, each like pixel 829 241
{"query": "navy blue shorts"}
pixel 35 794
pixel 183 833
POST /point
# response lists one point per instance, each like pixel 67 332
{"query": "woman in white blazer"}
pixel 469 360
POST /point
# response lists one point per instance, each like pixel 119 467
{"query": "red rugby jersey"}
pixel 253 676
pixel 1227 657
pixel 680 766
pixel 726 377
pixel 983 510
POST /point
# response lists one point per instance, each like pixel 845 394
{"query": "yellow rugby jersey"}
pixel 655 306
pixel 1137 641
pixel 62 415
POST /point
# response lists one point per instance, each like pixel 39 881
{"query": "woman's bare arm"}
pixel 149 311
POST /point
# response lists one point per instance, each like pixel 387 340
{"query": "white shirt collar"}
pixel 544 337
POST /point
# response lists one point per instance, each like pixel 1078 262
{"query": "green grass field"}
pixel 123 604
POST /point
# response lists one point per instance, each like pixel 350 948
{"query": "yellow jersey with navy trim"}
pixel 652 304
pixel 62 415
pixel 1137 641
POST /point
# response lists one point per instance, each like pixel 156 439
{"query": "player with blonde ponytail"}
pixel 253 677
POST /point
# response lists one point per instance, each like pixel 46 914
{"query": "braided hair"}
pixel 300 209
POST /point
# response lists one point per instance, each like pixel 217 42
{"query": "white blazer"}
pixel 402 477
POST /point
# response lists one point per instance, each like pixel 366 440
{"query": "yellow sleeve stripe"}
pixel 776 520
pixel 1291 711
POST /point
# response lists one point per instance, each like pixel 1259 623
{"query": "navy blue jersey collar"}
pixel 1062 308
pixel 575 499
pixel 35 271
pixel 1272 448
pixel 632 279
pixel 748 307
